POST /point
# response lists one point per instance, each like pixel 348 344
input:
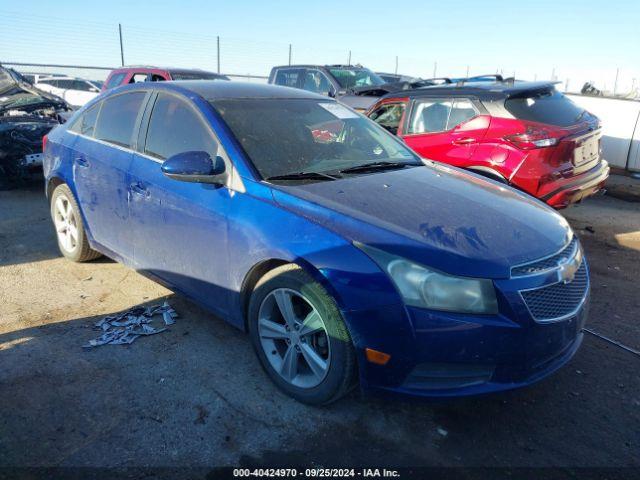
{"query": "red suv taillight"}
pixel 534 136
pixel 44 143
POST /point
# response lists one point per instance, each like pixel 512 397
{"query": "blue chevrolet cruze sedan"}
pixel 346 258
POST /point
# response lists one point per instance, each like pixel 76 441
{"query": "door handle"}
pixel 138 189
pixel 82 162
pixel 464 141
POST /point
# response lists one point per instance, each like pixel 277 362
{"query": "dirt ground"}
pixel 195 396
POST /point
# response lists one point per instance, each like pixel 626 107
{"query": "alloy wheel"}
pixel 294 338
pixel 65 221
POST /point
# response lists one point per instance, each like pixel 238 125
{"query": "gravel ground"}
pixel 196 396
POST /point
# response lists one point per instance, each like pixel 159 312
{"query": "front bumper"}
pixel 562 193
pixel 444 355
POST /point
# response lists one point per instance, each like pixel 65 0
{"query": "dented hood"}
pixel 441 217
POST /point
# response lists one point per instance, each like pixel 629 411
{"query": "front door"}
pixel 180 228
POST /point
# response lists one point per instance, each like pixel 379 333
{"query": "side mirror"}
pixel 196 167
pixel 331 93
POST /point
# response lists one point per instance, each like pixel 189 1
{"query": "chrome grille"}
pixel 548 263
pixel 559 300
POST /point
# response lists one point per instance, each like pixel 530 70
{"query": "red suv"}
pixel 525 134
pixel 125 75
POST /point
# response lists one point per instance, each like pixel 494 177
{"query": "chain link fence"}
pixel 42 44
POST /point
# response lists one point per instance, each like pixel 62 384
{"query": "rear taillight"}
pixel 533 137
pixel 44 143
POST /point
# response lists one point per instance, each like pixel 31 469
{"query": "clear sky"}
pixel 575 39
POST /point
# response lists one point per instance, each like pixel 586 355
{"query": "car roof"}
pixel 59 77
pixel 488 89
pixel 224 89
pixel 310 65
pixel 164 69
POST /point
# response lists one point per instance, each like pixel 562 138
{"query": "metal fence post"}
pixel 349 59
pixel 121 47
pixel 289 54
pixel 435 69
pixel 615 83
pixel 396 72
pixel 218 50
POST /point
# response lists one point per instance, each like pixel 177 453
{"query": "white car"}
pixel 75 91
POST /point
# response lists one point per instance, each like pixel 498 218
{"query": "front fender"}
pixel 269 232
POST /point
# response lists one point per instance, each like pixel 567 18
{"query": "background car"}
pixel 26 115
pixel 395 77
pixel 343 255
pixel 525 134
pixel 126 75
pixel 355 86
pixel 76 91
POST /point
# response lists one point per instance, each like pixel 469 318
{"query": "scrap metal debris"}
pixel 126 327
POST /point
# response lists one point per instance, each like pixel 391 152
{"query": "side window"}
pixel 288 77
pixel 157 78
pixel 116 80
pixel 430 115
pixel 66 84
pixel 118 118
pixel 175 127
pixel 139 77
pixel 315 81
pixel 85 125
pixel 461 111
pixel 389 116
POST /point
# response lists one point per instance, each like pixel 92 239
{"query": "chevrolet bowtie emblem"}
pixel 567 269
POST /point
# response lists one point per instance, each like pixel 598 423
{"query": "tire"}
pixel 331 341
pixel 66 218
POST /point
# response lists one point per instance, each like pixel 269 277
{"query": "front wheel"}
pixel 300 337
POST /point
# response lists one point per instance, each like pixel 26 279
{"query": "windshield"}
pixel 356 77
pixel 283 137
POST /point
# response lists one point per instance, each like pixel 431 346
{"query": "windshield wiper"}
pixel 378 166
pixel 303 176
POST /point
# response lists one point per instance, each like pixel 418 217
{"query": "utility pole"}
pixel 289 54
pixel 467 71
pixel 553 74
pixel 615 84
pixel 396 72
pixel 121 47
pixel 349 60
pixel 218 50
pixel 435 69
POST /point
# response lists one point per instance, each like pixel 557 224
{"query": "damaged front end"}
pixel 26 115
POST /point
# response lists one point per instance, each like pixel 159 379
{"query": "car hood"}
pixel 16 94
pixel 442 217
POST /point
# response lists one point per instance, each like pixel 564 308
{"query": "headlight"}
pixel 423 287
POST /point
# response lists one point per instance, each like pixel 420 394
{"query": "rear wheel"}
pixel 72 239
pixel 300 337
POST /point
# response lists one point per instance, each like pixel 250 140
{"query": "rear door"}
pixel 445 129
pixel 179 228
pixel 102 158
